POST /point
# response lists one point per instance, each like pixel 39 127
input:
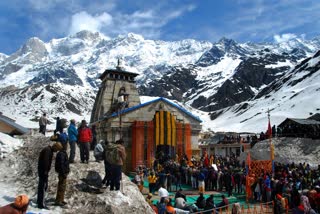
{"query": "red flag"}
pixel 269 132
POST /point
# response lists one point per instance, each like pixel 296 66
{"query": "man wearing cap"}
pixel 85 138
pixel 44 166
pixel 20 205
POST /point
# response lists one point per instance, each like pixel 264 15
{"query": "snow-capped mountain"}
pixel 61 76
pixel 293 95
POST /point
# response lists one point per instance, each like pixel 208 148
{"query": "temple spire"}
pixel 119 64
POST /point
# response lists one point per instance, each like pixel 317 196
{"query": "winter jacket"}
pixel 43 121
pixel 122 154
pixel 115 154
pixel 73 133
pixel 201 177
pixel 59 125
pixel 45 160
pixel 63 138
pixel 62 163
pixel 267 184
pixel 201 202
pixel 11 209
pixel 85 134
pixel 209 204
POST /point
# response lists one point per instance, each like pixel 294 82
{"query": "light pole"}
pixel 122 104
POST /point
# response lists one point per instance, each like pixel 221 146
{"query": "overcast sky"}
pixel 241 20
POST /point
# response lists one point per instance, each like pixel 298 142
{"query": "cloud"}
pixel 148 22
pixel 84 21
pixel 284 37
pixel 261 20
pixel 179 12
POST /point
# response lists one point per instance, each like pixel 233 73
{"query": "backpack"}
pixel 54 137
pixel 63 138
pixel 63 123
pixel 112 153
pixel 98 152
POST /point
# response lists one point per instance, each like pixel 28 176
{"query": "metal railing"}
pixel 261 208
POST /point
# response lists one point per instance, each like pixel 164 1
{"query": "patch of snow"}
pixel 279 64
pixel 8 144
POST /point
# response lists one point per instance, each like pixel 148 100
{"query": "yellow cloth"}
pixel 152 179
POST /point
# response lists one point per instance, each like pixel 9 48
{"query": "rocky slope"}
pixel 84 193
pixel 293 95
pixel 288 150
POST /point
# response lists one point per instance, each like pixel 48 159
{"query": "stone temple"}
pixel 157 127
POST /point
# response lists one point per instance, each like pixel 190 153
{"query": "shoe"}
pixel 71 161
pixel 87 161
pixel 43 207
pixel 64 203
pixel 58 203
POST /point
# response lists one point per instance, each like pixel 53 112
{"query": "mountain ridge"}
pixel 207 76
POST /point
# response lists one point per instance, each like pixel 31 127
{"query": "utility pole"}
pixel 269 132
pixel 122 104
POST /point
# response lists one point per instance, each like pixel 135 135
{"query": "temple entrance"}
pixel 164 153
pixel 161 138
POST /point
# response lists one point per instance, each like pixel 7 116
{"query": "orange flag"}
pixel 249 160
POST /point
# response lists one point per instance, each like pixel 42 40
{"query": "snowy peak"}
pixel 33 51
pixel 229 46
pixel 2 57
pixel 133 38
pixel 225 47
pixel 34 45
pixel 87 35
pixel 209 77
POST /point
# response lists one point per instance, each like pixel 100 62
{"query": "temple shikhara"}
pixel 157 127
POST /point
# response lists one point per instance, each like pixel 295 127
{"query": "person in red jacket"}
pixel 84 138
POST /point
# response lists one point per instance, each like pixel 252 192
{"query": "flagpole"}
pixel 270 143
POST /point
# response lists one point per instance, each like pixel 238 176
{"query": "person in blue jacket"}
pixel 73 138
pixel 63 139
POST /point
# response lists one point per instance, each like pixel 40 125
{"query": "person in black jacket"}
pixel 59 125
pixel 201 201
pixel 62 168
pixel 44 166
pixel 209 205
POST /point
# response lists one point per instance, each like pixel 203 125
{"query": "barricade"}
pixel 262 208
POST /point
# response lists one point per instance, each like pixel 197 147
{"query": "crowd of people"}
pixel 297 184
pixel 293 186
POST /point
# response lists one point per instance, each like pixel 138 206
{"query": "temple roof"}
pixel 133 108
pixel 118 70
